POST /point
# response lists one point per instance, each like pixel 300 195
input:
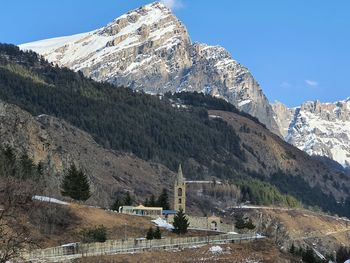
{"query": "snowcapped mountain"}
pixel 149 49
pixel 318 128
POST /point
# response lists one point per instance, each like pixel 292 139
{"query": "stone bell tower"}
pixel 180 192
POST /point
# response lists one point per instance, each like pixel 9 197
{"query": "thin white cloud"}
pixel 311 83
pixel 285 84
pixel 173 4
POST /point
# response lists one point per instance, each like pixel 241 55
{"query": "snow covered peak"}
pixel 318 128
pixel 147 15
pixel 149 48
pixel 152 25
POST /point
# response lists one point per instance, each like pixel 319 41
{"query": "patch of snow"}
pixel 43 46
pixel 49 200
pixel 69 245
pixel 244 102
pixel 162 223
pixel 258 236
pixel 216 249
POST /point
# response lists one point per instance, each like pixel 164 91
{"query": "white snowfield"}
pixel 49 200
pixel 162 223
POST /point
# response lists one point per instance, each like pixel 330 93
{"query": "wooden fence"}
pixel 77 250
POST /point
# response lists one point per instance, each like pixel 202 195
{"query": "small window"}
pixel 179 192
pixel 180 200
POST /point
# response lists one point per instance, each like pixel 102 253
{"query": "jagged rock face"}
pixel 283 117
pixel 149 49
pixel 318 128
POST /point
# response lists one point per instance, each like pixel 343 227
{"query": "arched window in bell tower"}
pixel 179 192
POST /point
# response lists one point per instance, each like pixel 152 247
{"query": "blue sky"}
pixel 297 50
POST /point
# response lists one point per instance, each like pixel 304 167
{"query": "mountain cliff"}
pixel 150 49
pixel 320 129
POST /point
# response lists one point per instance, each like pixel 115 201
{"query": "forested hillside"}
pixel 118 118
pixel 170 130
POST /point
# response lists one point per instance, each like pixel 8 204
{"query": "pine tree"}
pixel 240 224
pixel 180 223
pixel 163 200
pixel 157 234
pixel 75 184
pixel 146 203
pixel 150 234
pixel 26 167
pixel 309 256
pixel 292 249
pixel 127 199
pixel 152 201
pixel 117 203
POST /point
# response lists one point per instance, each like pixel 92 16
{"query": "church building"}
pixel 180 192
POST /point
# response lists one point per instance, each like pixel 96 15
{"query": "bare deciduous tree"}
pixel 15 202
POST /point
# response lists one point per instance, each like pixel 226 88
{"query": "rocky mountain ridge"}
pixel 321 129
pixel 149 49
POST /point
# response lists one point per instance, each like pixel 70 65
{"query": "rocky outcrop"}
pixel 318 128
pixel 149 49
pixel 57 144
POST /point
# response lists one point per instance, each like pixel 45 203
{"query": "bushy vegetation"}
pixel 19 167
pixel 263 193
pixel 95 234
pixel 244 223
pixel 121 201
pixel 308 255
pixel 309 196
pixel 162 201
pixel 153 234
pixel 20 180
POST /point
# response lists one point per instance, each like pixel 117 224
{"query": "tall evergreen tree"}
pixel 117 203
pixel 181 223
pixel 150 234
pixel 163 199
pixel 309 256
pixel 75 184
pixel 157 234
pixel 146 203
pixel 127 199
pixel 152 201
pixel 292 249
